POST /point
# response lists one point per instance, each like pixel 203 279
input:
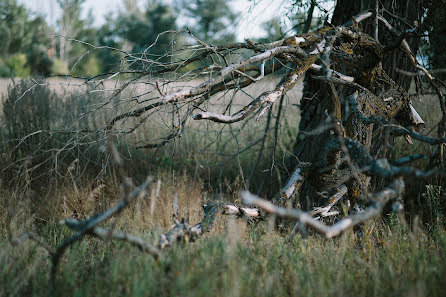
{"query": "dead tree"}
pixel 334 148
pixel 337 146
pixel 403 15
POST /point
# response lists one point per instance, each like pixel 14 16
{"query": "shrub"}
pixel 4 70
pixel 18 65
pixel 27 108
pixel 59 67
pixel 42 130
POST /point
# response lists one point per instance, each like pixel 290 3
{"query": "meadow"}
pixel 394 256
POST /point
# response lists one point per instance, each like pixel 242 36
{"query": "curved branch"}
pixel 182 231
pixel 266 97
pixel 397 129
pixel 203 87
pixel 377 202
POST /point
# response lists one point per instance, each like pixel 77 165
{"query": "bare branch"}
pixel 324 211
pixel 105 234
pixel 182 231
pixel 267 97
pixel 200 89
pixel 377 202
pixel 31 236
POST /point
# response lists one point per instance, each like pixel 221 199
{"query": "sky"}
pixel 252 12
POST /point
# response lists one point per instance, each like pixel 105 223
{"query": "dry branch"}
pixel 31 236
pixel 343 55
pixel 267 97
pixel 182 231
pixel 105 234
pixel 87 226
pixel 377 202
pixel 207 85
pixel 325 211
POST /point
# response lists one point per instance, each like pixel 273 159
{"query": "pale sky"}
pixel 252 13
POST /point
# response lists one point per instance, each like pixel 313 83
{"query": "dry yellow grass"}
pixel 235 260
pixel 392 259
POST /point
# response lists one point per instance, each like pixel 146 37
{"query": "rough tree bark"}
pixel 322 102
pixel 333 147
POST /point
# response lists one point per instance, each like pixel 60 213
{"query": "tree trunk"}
pixel 324 103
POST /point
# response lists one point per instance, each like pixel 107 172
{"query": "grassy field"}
pixel 393 257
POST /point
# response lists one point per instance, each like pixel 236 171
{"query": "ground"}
pixel 390 256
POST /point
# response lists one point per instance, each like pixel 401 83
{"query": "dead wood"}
pixel 338 163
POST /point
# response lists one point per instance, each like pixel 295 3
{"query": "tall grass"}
pixel 235 260
pixel 391 258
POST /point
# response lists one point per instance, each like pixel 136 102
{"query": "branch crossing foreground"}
pixel 320 54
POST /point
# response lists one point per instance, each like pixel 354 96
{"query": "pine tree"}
pixel 212 20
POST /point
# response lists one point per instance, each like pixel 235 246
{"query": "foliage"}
pixel 5 37
pixel 142 30
pixel 18 65
pixel 211 20
pixel 5 71
pixel 59 67
pixel 136 31
pixel 107 36
pixel 15 17
pixel 24 35
pixel 38 60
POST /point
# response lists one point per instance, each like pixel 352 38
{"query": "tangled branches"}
pixel 339 164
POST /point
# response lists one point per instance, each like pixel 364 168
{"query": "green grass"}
pixel 235 259
pixel 389 261
pixel 392 258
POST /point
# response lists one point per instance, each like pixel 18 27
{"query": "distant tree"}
pixel 15 17
pixel 21 35
pixel 135 31
pixel 70 25
pixel 37 51
pixel 141 29
pixel 211 19
pixel 5 37
pixel 107 36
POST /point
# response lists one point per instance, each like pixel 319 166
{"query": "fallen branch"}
pixel 87 226
pixel 105 234
pixel 325 211
pixel 33 237
pixel 182 231
pixel 377 202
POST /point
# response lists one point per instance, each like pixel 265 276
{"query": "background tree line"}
pixel 31 46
